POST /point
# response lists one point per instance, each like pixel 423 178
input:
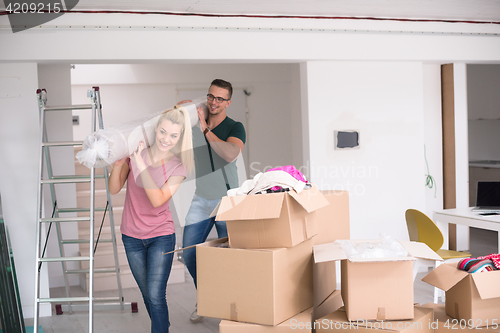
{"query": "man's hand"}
pixel 203 122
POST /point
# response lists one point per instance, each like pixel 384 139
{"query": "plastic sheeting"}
pixel 389 247
pixel 106 146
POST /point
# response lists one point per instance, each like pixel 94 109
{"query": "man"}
pixel 217 143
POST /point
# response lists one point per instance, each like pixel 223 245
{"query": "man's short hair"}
pixel 223 84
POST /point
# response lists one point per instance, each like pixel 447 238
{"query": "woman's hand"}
pixel 137 158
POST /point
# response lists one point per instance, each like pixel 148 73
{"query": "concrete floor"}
pixel 181 298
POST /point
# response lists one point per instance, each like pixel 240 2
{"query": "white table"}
pixel 465 216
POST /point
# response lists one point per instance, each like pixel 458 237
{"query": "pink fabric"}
pixel 292 171
pixel 493 257
pixel 140 219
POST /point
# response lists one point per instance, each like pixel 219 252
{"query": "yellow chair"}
pixel 422 229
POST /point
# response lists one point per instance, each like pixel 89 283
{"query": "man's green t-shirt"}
pixel 210 178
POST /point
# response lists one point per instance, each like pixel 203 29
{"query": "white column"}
pixel 19 148
pixel 461 148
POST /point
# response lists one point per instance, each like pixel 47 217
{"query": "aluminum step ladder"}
pixel 88 303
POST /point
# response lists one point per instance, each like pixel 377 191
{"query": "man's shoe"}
pixel 194 316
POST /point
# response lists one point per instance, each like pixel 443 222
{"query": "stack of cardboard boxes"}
pixel 262 277
pixel 277 273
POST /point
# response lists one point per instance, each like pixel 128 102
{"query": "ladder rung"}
pixel 107 299
pixel 68 107
pixel 66 219
pixel 104 305
pixel 80 210
pixel 62 143
pixel 65 181
pixel 76 177
pixel 96 270
pixel 63 299
pixel 84 241
pixel 59 259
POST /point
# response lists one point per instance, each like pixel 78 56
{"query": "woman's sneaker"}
pixel 194 316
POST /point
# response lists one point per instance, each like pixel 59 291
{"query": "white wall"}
pixel 384 177
pixel 19 148
pixel 461 139
pixel 461 148
pixel 304 118
pixel 296 117
pixel 433 138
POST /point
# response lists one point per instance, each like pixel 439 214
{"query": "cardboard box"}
pixel 324 281
pixel 301 322
pixel 376 289
pixel 333 224
pixel 271 220
pixel 338 321
pixel 259 286
pixel 469 296
pixel 331 304
pixel 333 220
pixel 443 323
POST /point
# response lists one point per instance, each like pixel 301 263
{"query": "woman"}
pixel 153 174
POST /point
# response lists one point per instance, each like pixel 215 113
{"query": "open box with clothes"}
pixel 281 219
pixel 469 296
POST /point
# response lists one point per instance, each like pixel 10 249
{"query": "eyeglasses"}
pixel 211 97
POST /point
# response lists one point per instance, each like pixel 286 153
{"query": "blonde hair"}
pixel 184 147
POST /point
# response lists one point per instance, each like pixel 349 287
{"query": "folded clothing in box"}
pixel 271 220
pixel 469 296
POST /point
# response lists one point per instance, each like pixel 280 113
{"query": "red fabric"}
pixel 495 257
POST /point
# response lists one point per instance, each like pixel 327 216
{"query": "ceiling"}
pixel 454 10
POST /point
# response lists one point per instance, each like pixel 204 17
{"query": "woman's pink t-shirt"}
pixel 140 219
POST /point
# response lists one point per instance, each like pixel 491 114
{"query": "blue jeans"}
pixel 151 270
pixel 197 229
